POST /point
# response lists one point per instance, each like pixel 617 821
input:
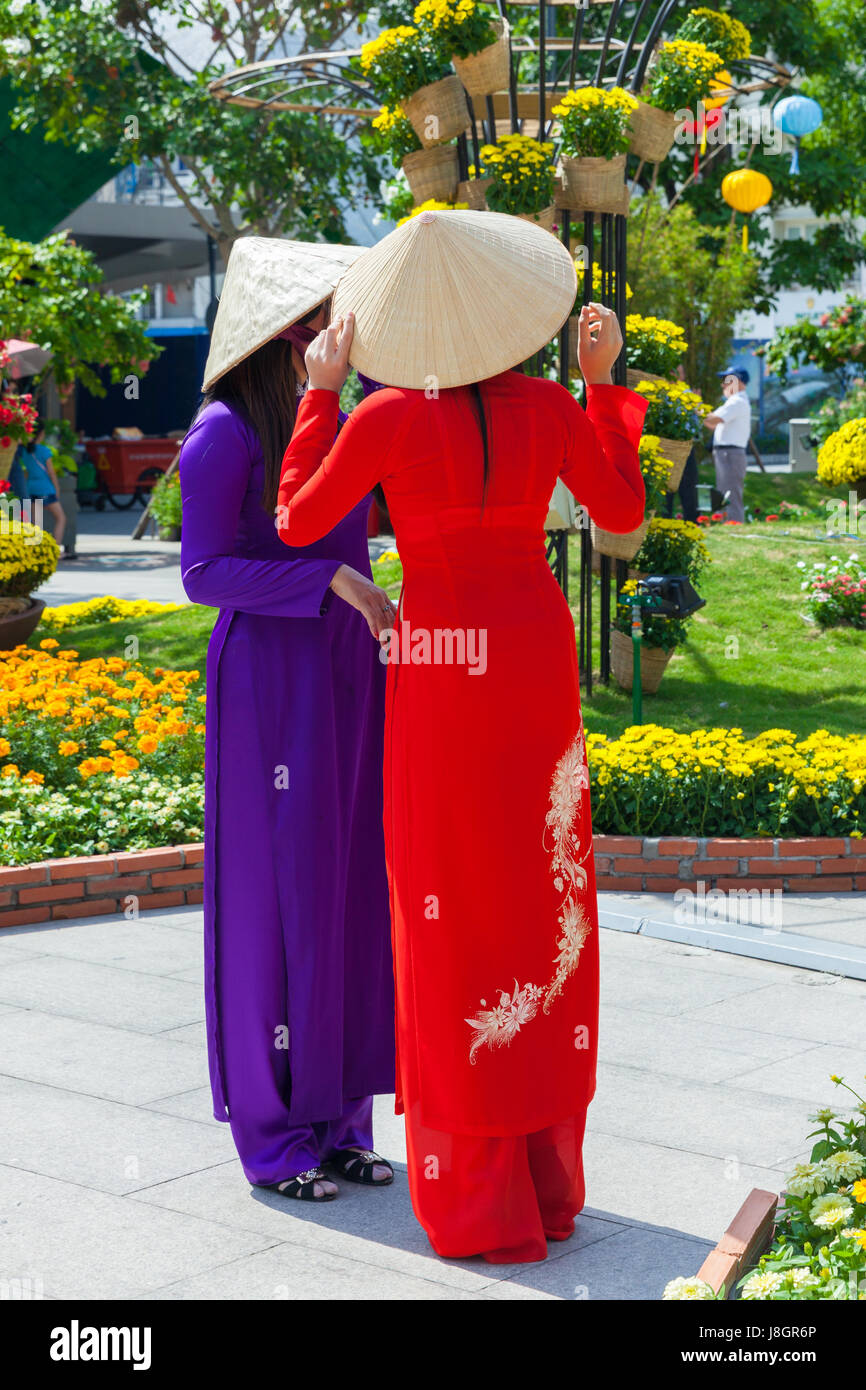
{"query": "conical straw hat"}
pixel 269 285
pixel 453 297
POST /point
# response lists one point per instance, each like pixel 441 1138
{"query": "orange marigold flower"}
pixel 35 777
pixel 9 770
pixel 47 643
pixel 67 747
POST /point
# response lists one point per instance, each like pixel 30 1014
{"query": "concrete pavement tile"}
pixel 806 1076
pixel 375 1227
pixel 191 1035
pixel 628 1179
pixel 633 1264
pixel 812 1006
pixel 706 1051
pixel 91 1059
pixel 100 1143
pixel 140 945
pixel 195 1104
pixel 669 987
pixel 102 994
pixel 287 1272
pixel 717 1120
pixel 85 1244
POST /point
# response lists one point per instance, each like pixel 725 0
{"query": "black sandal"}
pixel 303 1187
pixel 356 1165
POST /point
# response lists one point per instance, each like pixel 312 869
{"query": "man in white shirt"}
pixel 731 424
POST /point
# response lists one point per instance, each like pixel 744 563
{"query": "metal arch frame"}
pixel 632 58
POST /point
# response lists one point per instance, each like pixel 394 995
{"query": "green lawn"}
pixel 752 661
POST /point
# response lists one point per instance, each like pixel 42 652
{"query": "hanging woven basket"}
pixel 594 185
pixel 619 547
pixel 546 218
pixel 7 454
pixel 653 661
pixel 438 112
pixel 677 450
pixel 653 132
pixel 432 173
pixel 489 71
pixel 472 191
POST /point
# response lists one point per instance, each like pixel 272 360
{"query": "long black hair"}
pixel 478 402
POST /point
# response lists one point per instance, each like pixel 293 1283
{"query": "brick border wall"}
pixel 62 889
pixel 635 864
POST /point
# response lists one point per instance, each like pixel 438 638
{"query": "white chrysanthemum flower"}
pixel 761 1285
pixel 829 1211
pixel 823 1116
pixel 846 1165
pixel 688 1288
pixel 802 1278
pixel 806 1178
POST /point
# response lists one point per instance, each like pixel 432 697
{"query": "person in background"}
pixel 41 480
pixel 731 424
pixel 688 488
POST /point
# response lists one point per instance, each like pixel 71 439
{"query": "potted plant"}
pixel 680 76
pixel 719 32
pixel 477 43
pixel 842 458
pixel 521 178
pixel 594 122
pixel 674 412
pixel 411 71
pixel 28 556
pixel 430 173
pixel 653 348
pixel 661 637
pixel 672 547
pixel 655 470
pixel 17 422
pixel 165 506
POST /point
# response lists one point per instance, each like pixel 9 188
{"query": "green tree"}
pixel 115 77
pixel 697 276
pixel 49 293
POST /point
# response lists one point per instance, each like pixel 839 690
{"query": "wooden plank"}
pixel 747 1238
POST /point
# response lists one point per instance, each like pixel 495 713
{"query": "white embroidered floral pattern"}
pixel 496 1027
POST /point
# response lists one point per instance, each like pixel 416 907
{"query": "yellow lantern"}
pixel 746 190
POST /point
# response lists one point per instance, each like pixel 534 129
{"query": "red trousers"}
pixel 499 1198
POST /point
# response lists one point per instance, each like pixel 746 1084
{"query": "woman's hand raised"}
pixel 599 343
pixel 327 357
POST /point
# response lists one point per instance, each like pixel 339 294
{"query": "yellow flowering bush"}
pixel 657 781
pixel 521 174
pixel 96 755
pixel 842 457
pixel 654 345
pixel 107 609
pixel 720 32
pixel 400 61
pixel 672 547
pixel 674 411
pixel 433 205
pixel 457 26
pixel 595 121
pixel 656 470
pixel 681 75
pixel 28 556
pixel 394 133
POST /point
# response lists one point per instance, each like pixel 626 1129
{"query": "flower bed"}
pixel 655 781
pixel 96 755
pixel 836 592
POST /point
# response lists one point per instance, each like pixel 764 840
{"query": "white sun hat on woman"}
pixel 452 297
pixel 269 285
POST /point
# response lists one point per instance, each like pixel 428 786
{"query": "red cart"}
pixel 126 469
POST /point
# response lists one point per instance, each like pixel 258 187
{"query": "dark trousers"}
pixel 687 491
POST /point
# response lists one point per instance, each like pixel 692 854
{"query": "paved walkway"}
pixel 115 1182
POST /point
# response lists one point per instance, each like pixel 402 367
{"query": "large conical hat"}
pixel 268 286
pixel 452 297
